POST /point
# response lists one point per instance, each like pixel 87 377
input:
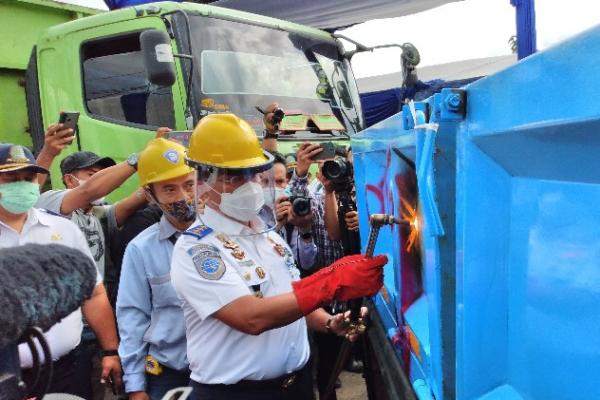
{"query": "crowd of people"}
pixel 219 273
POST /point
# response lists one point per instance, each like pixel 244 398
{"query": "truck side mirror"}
pixel 158 57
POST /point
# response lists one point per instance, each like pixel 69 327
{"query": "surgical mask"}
pixel 181 210
pixel 98 202
pixel 19 197
pixel 244 203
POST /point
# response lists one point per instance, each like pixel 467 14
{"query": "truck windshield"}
pixel 240 66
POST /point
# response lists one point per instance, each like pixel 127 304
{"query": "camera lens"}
pixel 335 169
pixel 278 115
pixel 301 206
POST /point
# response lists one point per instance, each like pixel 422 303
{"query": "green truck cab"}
pixel 234 61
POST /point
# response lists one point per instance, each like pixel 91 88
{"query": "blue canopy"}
pixel 116 4
pixel 382 104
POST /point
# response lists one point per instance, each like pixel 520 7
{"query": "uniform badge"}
pixel 55 236
pixel 260 272
pixel 153 367
pixel 198 231
pixel 207 261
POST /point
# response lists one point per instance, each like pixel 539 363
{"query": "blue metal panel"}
pixel 508 300
pixel 527 227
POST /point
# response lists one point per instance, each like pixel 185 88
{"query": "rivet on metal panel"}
pixel 453 101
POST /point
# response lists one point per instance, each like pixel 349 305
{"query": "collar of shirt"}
pixel 222 223
pixel 165 229
pixel 34 217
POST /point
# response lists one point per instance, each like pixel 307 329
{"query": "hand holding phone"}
pixel 327 153
pixel 69 119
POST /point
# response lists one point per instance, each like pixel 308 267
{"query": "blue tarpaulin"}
pixel 116 4
pixel 382 104
pixel 526 32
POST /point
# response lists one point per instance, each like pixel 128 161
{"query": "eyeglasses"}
pixel 233 180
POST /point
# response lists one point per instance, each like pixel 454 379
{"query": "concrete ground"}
pixel 353 387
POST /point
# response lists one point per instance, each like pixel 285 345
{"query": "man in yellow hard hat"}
pixel 246 309
pixel 150 319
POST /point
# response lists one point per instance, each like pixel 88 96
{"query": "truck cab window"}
pixel 116 87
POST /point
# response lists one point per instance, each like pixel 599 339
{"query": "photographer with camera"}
pixel 294 218
pixel 327 233
pixel 338 174
pixel 272 117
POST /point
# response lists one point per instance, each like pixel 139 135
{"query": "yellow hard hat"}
pixel 226 141
pixel 161 160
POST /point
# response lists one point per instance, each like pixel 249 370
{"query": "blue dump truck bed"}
pixel 493 286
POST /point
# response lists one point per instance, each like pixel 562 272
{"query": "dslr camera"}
pixel 338 170
pixel 300 205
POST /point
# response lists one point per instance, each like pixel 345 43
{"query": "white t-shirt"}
pixel 44 228
pixel 88 223
pixel 207 277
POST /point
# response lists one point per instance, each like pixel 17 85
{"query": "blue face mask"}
pixel 19 197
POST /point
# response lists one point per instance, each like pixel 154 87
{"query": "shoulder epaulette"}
pixel 53 213
pixel 198 231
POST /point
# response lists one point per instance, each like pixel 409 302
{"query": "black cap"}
pixel 84 159
pixel 14 157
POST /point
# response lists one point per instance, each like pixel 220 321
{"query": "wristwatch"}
pixel 109 353
pixel 132 160
pixel 269 135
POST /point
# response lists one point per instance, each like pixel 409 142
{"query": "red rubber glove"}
pixel 348 278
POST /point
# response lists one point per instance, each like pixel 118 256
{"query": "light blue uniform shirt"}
pixel 149 312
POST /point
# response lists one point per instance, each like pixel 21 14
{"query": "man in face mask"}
pixel 20 223
pixel 246 309
pixel 151 322
pixel 295 229
pixel 88 178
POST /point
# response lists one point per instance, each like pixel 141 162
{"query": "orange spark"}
pixel 409 214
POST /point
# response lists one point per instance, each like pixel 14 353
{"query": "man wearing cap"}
pixel 88 178
pixel 20 223
pixel 246 309
pixel 151 322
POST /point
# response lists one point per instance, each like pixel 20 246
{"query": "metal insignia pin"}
pixel 279 249
pixel 260 272
pixel 238 254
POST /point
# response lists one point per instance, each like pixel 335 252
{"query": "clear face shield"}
pixel 237 202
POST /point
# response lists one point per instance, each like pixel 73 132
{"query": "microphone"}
pixel 40 285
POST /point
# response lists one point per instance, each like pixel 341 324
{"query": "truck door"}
pixel 100 73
